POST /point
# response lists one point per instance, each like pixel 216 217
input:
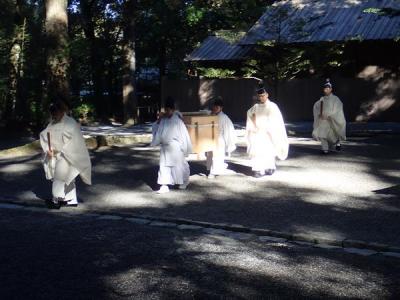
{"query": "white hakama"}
pixel 226 145
pixel 71 158
pixel 266 136
pixel 171 134
pixel 331 129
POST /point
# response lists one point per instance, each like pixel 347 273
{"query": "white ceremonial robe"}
pixel 266 136
pixel 226 145
pixel 155 125
pixel 332 130
pixel 70 160
pixel 173 137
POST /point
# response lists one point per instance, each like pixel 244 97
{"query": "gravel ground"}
pixel 67 255
pixel 353 194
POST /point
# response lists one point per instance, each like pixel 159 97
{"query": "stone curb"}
pixel 27 149
pixel 99 140
pixel 233 230
pixel 92 142
pixel 109 140
pixel 351 133
pixel 370 133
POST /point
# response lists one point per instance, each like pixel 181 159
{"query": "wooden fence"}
pixel 362 99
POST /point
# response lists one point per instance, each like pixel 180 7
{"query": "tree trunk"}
pixel 110 86
pixel 98 82
pixel 163 70
pixel 22 107
pixel 13 78
pixel 129 99
pixel 15 63
pixel 56 27
pixel 96 58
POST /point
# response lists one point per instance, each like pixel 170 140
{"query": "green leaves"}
pixel 194 15
pixel 216 72
pixel 230 36
pixel 386 11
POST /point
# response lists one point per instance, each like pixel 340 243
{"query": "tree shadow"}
pixel 76 257
pixel 124 176
pixel 240 169
pixel 130 173
pixel 393 190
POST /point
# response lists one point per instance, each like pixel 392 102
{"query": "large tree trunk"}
pixel 96 58
pixel 163 70
pixel 111 87
pixel 56 27
pixel 13 78
pixel 15 62
pixel 97 77
pixel 129 99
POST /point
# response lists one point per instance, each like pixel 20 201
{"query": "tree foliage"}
pixel 93 57
pixel 114 42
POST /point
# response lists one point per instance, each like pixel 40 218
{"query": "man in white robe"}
pixel 65 156
pixel 156 124
pixel 226 142
pixel 266 135
pixel 171 134
pixel 329 121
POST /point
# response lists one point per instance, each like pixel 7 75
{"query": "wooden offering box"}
pixel 203 131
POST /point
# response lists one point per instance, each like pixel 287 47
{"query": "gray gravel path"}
pixel 68 255
pixel 354 194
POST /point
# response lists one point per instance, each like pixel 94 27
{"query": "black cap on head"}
pixel 261 91
pixel 218 102
pixel 328 84
pixel 169 103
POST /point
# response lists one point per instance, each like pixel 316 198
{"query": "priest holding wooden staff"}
pixel 266 135
pixel 329 121
pixel 65 156
pixel 226 142
pixel 171 134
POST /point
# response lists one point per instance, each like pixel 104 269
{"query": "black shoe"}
pixel 269 172
pixel 324 152
pixel 257 175
pixel 338 147
pixel 50 204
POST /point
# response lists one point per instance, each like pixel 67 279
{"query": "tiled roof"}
pixel 310 21
pixel 218 49
pixel 317 21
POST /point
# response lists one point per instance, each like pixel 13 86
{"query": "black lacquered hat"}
pixel 261 91
pixel 328 83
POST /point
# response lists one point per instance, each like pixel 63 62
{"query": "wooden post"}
pixel 48 140
pixel 321 111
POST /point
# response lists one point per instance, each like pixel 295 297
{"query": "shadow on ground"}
pixel 125 180
pixel 74 257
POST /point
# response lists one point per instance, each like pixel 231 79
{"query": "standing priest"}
pixel 171 134
pixel 66 156
pixel 329 120
pixel 266 135
pixel 226 142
